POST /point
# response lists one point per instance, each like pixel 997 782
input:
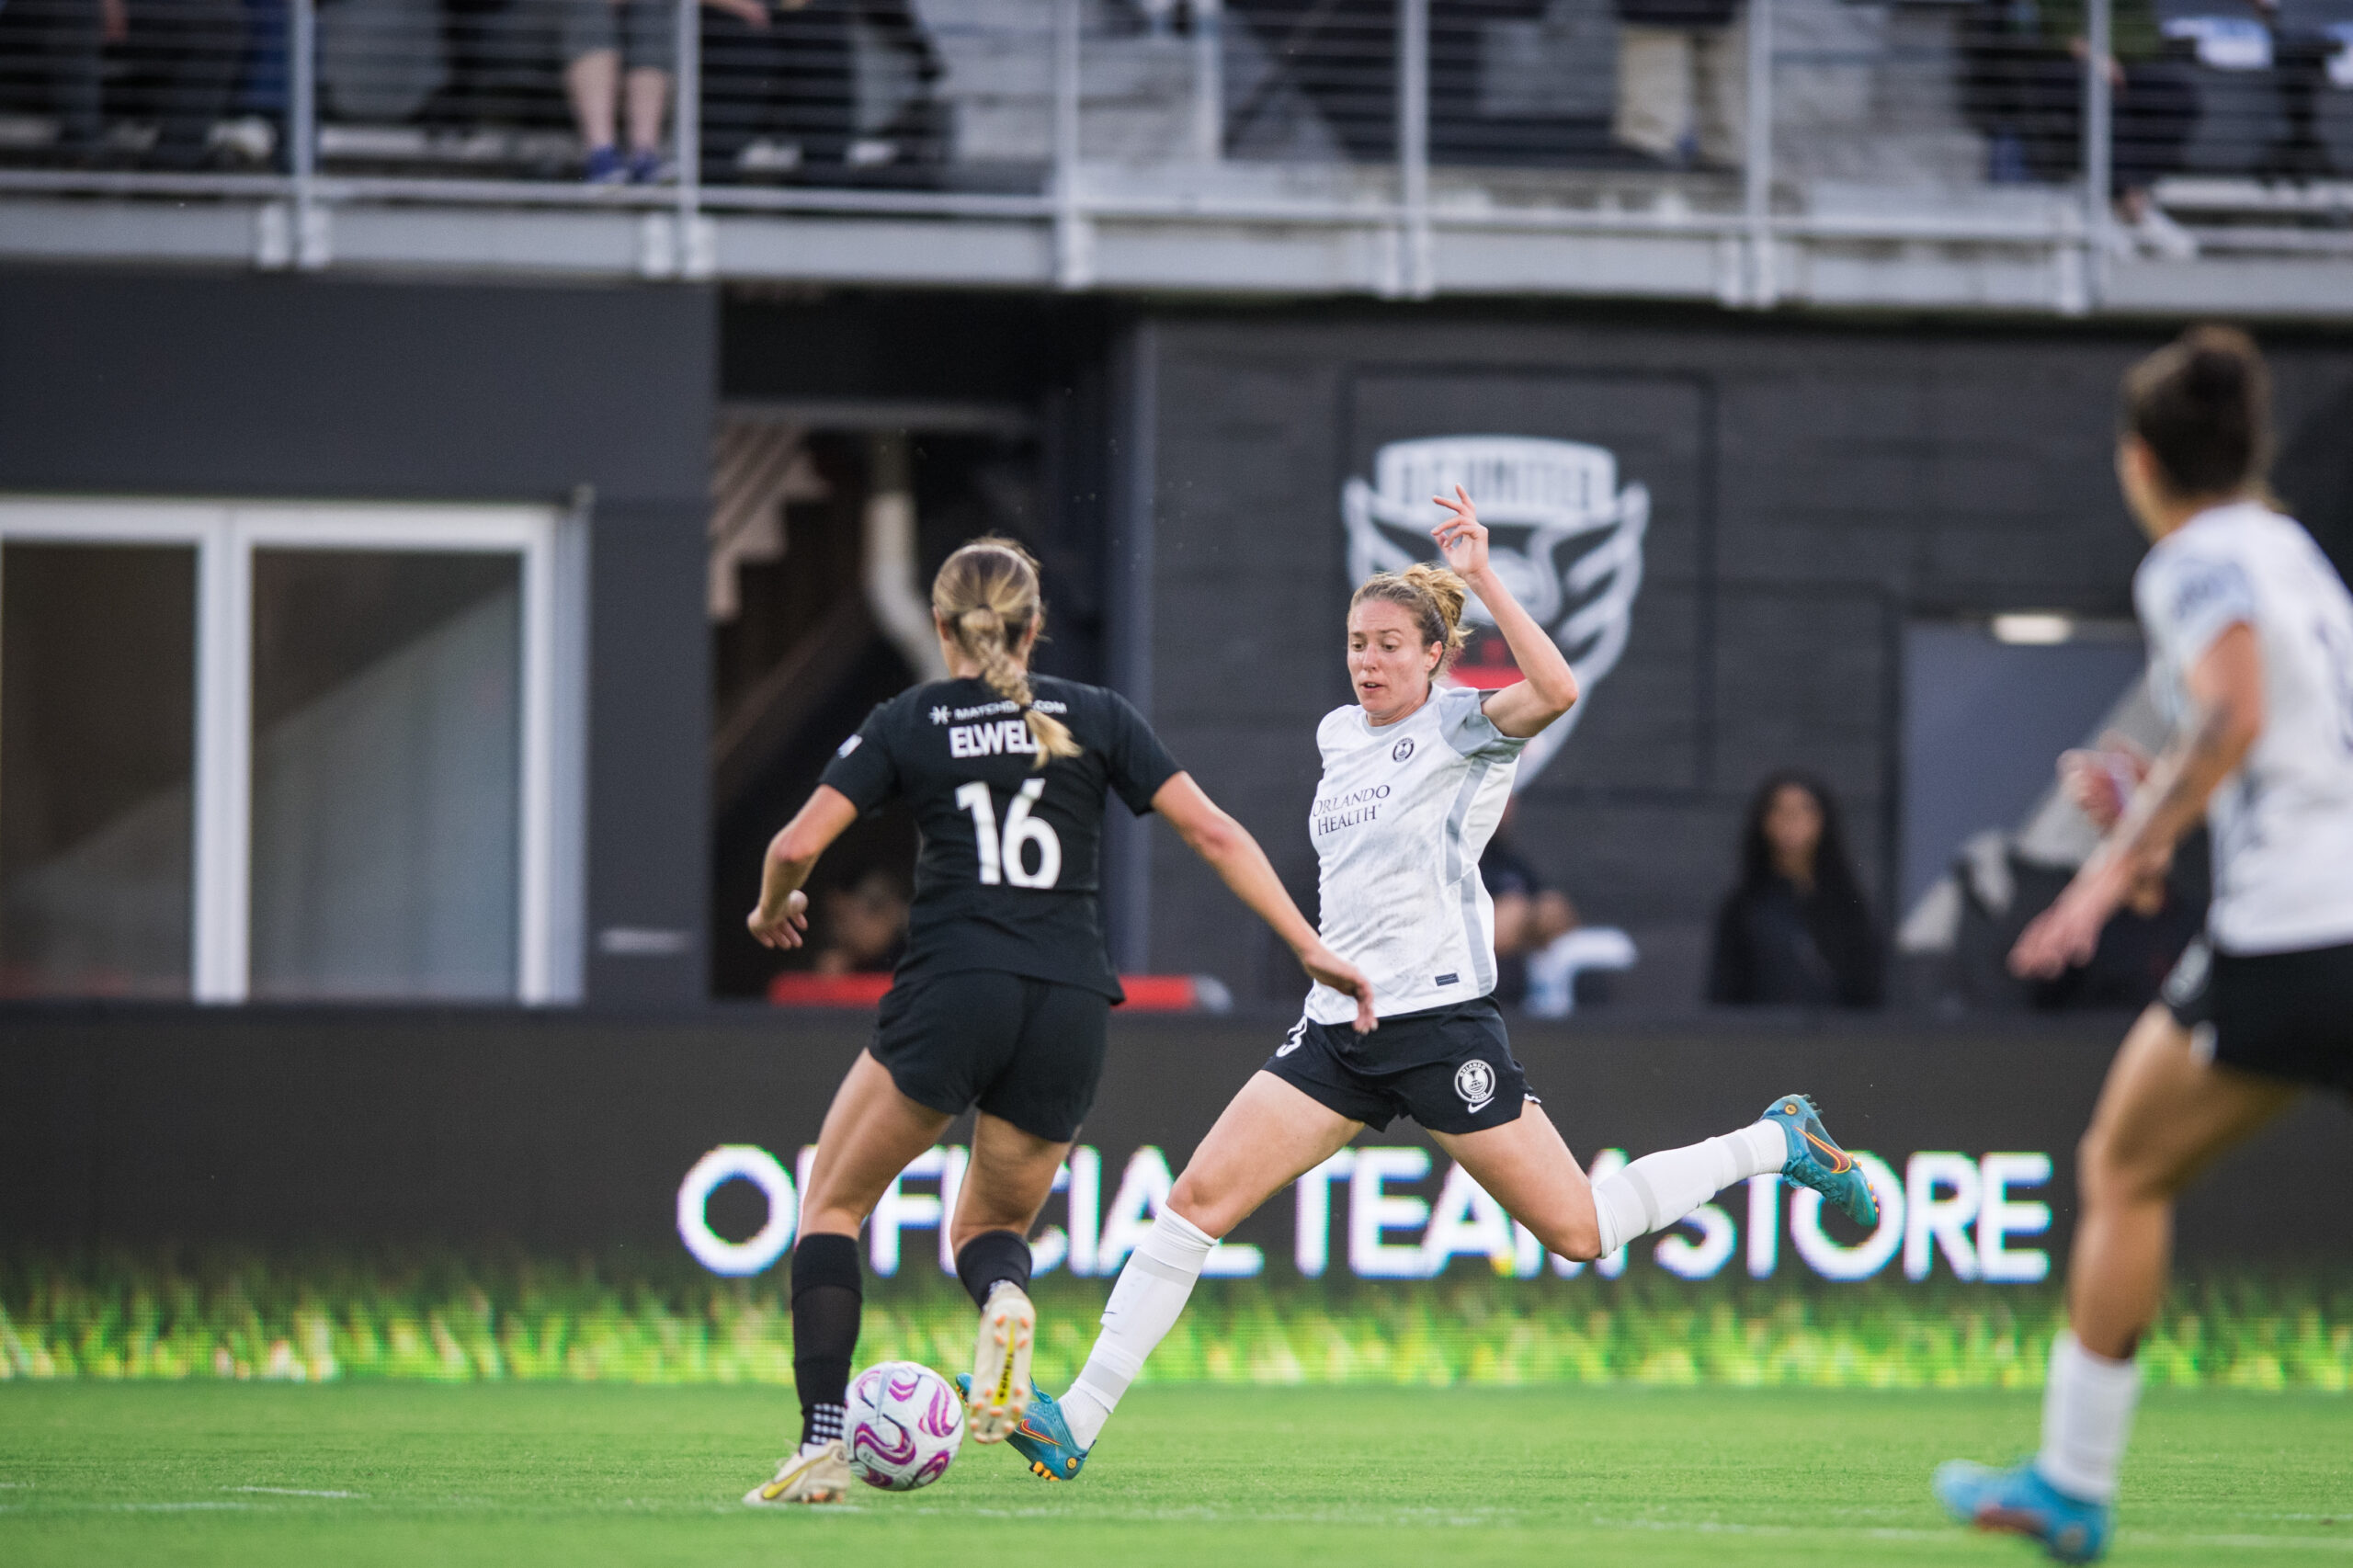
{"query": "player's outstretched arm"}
pixel 2226 685
pixel 1547 687
pixel 1227 846
pixel 783 913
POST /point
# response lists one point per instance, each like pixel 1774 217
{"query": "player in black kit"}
pixel 1002 998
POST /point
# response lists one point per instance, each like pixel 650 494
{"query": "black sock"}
pixel 990 1256
pixel 826 1295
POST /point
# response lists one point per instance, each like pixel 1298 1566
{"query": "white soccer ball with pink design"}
pixel 903 1426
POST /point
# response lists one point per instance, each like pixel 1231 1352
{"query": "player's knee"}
pixel 2108 1175
pixel 1197 1201
pixel 1579 1241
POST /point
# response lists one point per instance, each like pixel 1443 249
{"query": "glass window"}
pixel 386 757
pixel 97 711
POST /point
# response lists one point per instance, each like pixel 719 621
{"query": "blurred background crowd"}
pixel 952 92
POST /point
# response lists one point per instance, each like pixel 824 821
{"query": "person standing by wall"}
pixel 1683 81
pixel 1796 931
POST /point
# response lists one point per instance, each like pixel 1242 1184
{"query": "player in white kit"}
pixel 2251 656
pixel 1415 775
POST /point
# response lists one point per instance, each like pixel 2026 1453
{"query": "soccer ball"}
pixel 903 1426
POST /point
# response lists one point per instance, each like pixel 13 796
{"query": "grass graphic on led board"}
pixel 458 1319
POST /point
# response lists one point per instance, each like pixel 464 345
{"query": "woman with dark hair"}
pixel 2251 658
pixel 1796 930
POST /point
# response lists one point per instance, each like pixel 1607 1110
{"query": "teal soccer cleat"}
pixel 2020 1502
pixel 1043 1438
pixel 1818 1163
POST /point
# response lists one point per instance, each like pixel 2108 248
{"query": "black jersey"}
pixel 1006 876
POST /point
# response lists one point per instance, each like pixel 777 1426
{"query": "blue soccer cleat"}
pixel 1818 1163
pixel 2020 1502
pixel 1043 1438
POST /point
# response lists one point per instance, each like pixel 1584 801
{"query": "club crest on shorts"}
pixel 1475 1082
pixel 1562 535
pixel 1290 1041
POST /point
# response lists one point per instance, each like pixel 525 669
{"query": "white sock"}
pixel 1144 1305
pixel 1658 1189
pixel 2087 1418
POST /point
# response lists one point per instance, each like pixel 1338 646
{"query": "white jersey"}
pixel 2282 825
pixel 1401 817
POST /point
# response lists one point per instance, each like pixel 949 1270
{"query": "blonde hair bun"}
pixel 1432 595
pixel 986 596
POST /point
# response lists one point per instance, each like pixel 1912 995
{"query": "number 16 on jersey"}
pixel 1002 858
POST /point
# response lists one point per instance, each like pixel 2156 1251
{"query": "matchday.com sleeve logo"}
pixel 1387 1213
pixel 1563 536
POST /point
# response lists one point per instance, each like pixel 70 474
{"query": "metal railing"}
pixel 1760 125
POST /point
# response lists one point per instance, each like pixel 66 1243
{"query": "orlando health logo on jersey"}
pixel 1563 538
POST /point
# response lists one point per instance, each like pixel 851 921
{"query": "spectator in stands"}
pixel 2023 86
pixel 1683 80
pixel 863 927
pixel 1529 916
pixel 618 56
pixel 1796 930
pixel 2155 109
pixel 177 62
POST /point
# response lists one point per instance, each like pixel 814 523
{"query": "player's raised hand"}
pixel 1328 967
pixel 783 927
pixel 1463 538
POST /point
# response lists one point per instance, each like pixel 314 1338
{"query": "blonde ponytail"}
pixel 986 596
pixel 1433 596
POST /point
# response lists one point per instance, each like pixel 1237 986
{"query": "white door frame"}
pixel 551 544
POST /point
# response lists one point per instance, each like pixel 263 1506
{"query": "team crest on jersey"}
pixel 1562 535
pixel 1402 750
pixel 1475 1082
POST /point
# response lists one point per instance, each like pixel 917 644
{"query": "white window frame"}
pixel 552 546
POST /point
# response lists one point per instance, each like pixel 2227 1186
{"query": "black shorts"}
pixel 1450 1068
pixel 1027 1051
pixel 2280 1015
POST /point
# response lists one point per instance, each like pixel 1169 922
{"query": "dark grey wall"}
pixel 286 1127
pixel 123 383
pixel 1812 488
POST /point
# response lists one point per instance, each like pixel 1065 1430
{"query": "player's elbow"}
pixel 1553 686
pixel 795 848
pixel 2238 726
pixel 1215 836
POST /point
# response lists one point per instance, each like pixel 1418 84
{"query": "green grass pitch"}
pixel 572 1474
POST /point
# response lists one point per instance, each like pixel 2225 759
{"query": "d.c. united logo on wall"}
pixel 1562 535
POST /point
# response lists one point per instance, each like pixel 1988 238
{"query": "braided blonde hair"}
pixel 986 596
pixel 1433 596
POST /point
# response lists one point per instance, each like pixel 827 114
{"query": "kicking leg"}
pixel 1011 1174
pixel 871 1132
pixel 1525 1166
pixel 1268 1136
pixel 2162 1116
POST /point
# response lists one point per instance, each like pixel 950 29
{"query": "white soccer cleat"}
pixel 999 1395
pixel 814 1474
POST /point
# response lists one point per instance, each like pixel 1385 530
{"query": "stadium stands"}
pixel 1406 149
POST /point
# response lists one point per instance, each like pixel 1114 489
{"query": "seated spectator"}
pixel 1529 916
pixel 1545 957
pixel 618 57
pixel 863 927
pixel 1796 929
pixel 1683 81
